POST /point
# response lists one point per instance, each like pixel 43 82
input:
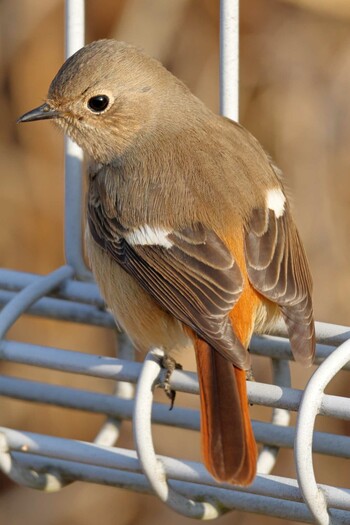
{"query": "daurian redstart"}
pixel 190 234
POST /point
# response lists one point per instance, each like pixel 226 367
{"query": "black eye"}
pixel 98 103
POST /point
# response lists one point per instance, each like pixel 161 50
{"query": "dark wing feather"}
pixel 196 279
pixel 278 269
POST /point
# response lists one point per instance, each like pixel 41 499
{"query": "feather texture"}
pixel 228 444
pixel 278 269
pixel 196 280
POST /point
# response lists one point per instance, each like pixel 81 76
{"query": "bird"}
pixel 190 234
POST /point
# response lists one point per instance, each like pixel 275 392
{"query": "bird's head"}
pixel 104 95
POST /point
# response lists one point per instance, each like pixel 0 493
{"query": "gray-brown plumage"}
pixel 190 235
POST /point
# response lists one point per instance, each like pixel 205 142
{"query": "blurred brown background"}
pixel 295 85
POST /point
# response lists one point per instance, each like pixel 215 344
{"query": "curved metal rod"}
pixel 268 454
pixel 309 408
pixel 152 467
pixel 49 481
pixel 9 315
pixel 28 295
pixel 109 432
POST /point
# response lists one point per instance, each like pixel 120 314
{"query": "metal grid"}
pixel 49 463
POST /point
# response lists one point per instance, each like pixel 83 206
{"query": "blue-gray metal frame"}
pixel 49 463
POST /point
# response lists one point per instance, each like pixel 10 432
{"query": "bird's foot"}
pixel 249 375
pixel 169 364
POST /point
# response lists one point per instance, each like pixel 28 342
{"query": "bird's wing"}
pixel 278 269
pixel 190 273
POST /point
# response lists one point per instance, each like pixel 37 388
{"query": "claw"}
pixel 169 364
pixel 250 377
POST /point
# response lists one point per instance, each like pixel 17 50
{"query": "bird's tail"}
pixel 228 445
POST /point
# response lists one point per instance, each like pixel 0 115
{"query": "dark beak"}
pixel 41 113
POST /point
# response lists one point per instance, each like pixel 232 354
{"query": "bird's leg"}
pixel 169 364
pixel 249 375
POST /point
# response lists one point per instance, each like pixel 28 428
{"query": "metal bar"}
pixel 19 473
pixel 279 348
pixel 152 467
pixel 229 59
pixel 75 39
pixel 86 364
pixel 89 401
pixel 63 310
pixel 109 433
pixel 268 455
pixel 27 296
pixel 324 443
pixel 124 459
pixel 271 506
pixel 76 291
pixel 309 408
pixel 111 368
pixel 326 333
pixel 137 482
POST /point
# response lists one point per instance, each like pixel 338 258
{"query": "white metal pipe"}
pixel 75 26
pixel 125 459
pixel 327 333
pixel 109 433
pixel 310 407
pixel 229 58
pixel 268 455
pixel 75 39
pixel 123 370
pixel 52 308
pixel 137 482
pixel 185 418
pixel 152 467
pixel 27 296
pixel 71 290
pixel 21 474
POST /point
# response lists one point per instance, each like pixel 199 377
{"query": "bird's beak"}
pixel 40 113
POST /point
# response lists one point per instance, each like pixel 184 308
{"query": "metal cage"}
pixel 48 463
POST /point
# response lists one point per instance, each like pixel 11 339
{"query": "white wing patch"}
pixel 147 235
pixel 275 201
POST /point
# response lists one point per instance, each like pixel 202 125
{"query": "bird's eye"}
pixel 98 103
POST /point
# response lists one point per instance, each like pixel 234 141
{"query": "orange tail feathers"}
pixel 228 445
